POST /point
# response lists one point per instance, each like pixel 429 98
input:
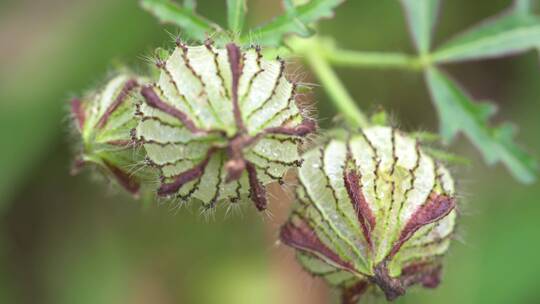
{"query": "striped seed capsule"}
pixel 104 120
pixel 374 212
pixel 220 124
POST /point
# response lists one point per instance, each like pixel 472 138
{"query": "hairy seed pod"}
pixel 374 212
pixel 220 124
pixel 104 120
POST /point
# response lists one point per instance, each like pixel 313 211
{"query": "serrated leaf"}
pixel 421 17
pixel 236 12
pixel 509 34
pixel 194 26
pixel 459 113
pixel 294 21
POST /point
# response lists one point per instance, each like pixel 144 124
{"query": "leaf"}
pixel 194 26
pixel 295 21
pixel 421 17
pixel 458 113
pixel 509 34
pixel 236 12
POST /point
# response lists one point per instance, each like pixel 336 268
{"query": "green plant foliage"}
pixel 508 34
pixel 421 16
pixel 373 212
pixel 459 113
pixel 295 20
pixel 236 13
pixel 194 26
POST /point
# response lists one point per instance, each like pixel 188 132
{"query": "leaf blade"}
pixel 166 11
pixel 294 21
pixel 421 16
pixel 236 12
pixel 459 113
pixel 509 34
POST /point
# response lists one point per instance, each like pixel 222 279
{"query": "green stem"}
pixel 335 88
pixel 321 53
pixel 372 59
pixel 523 6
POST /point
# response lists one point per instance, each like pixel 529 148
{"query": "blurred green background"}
pixel 72 240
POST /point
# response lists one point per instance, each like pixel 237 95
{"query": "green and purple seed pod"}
pixel 220 124
pixel 104 121
pixel 374 213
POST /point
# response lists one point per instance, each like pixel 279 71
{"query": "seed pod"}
pixel 221 123
pixel 374 212
pixel 104 120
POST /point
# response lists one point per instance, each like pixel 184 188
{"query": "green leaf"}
pixel 236 12
pixel 421 16
pixel 194 26
pixel 459 113
pixel 512 33
pixel 294 21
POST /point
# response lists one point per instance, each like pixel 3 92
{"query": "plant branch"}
pixel 311 50
pixel 378 60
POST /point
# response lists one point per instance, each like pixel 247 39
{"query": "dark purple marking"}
pixel 352 294
pixel 153 100
pixel 392 287
pixel 428 274
pixel 185 177
pixel 257 192
pixel 78 112
pixel 124 179
pixel 305 127
pixel 235 60
pixel 359 203
pixel 432 279
pixel 128 86
pixel 236 164
pixel 301 236
pixel 436 207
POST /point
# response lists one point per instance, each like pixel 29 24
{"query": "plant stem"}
pixel 372 59
pixel 523 6
pixel 335 88
pixel 321 53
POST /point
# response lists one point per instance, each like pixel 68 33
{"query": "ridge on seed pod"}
pixel 220 123
pixel 373 213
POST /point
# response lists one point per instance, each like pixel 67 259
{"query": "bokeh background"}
pixel 67 240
